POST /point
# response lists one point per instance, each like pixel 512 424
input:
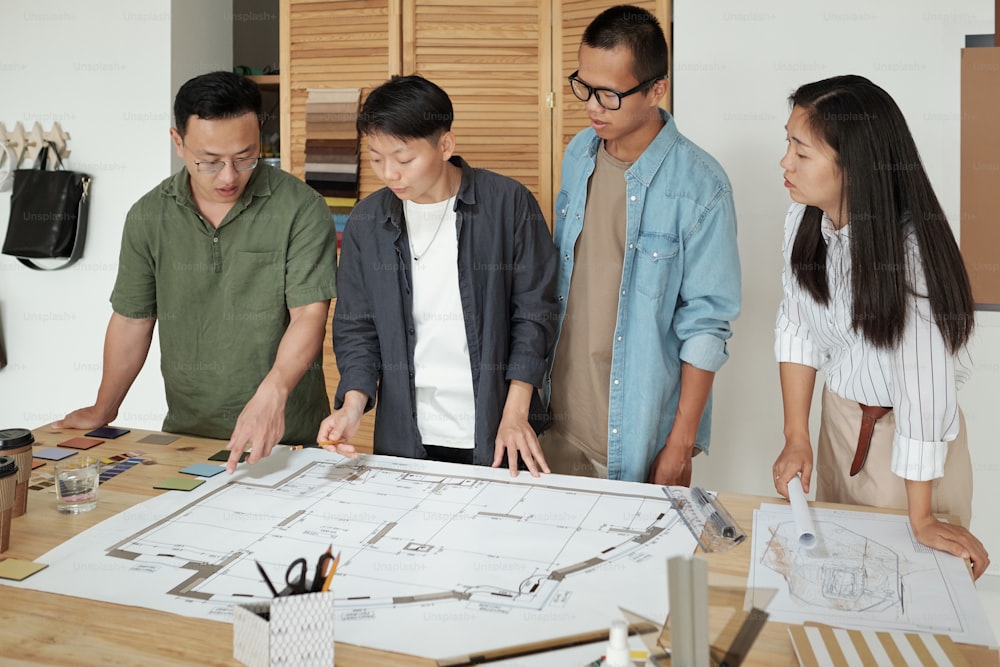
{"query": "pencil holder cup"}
pixel 293 630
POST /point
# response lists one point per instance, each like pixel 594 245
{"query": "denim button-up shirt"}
pixel 680 285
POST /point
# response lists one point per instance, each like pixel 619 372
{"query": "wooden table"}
pixel 39 628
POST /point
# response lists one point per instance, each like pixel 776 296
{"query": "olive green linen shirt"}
pixel 222 296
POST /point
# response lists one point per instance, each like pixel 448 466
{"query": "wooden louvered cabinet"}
pixel 504 64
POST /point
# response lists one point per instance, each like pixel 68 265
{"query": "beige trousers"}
pixel 876 485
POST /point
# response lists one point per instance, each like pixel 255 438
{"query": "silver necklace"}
pixel 444 214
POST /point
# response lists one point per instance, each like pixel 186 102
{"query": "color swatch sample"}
pixel 81 443
pixel 52 454
pixel 12 568
pixel 223 455
pixel 118 464
pixel 158 439
pixel 109 432
pixel 202 469
pixel 41 481
pixel 179 484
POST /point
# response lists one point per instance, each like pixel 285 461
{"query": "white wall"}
pixel 201 39
pixel 735 65
pixel 104 71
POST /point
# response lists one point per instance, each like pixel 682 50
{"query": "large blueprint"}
pixel 437 559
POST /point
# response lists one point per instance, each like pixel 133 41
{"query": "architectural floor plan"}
pixel 867 571
pixel 453 559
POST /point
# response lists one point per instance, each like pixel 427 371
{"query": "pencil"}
pixel 321 443
pixel 329 577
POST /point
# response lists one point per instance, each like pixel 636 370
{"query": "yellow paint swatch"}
pixel 12 568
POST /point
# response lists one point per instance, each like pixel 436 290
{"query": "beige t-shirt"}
pixel 582 371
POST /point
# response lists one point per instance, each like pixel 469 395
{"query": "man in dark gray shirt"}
pixel 446 311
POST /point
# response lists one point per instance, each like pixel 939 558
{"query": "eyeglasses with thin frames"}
pixel 215 166
pixel 607 98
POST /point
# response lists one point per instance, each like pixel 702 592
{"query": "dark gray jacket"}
pixel 506 275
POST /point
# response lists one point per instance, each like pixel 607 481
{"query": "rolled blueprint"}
pixel 800 512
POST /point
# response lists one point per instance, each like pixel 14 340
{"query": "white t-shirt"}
pixel 446 408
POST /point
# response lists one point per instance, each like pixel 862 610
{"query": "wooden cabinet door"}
pixel 493 58
pixel 504 63
pixel 332 44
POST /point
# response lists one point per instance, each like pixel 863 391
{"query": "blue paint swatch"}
pixel 202 469
pixel 53 454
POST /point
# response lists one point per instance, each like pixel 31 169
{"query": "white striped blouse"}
pixel 919 378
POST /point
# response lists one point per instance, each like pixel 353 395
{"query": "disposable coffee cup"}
pixel 16 443
pixel 8 482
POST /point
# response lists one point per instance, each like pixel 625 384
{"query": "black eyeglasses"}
pixel 609 99
pixel 215 166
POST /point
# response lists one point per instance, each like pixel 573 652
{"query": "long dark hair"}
pixel 886 188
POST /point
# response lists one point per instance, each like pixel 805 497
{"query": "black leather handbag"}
pixel 48 213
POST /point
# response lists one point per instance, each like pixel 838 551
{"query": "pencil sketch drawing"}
pixel 867 570
pixel 848 572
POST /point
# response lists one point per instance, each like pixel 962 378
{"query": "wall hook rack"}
pixel 26 144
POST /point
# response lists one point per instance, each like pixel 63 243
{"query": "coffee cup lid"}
pixel 12 438
pixel 8 466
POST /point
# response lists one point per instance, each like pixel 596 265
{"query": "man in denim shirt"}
pixel 648 286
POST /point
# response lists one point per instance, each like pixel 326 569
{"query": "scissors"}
pixel 295 575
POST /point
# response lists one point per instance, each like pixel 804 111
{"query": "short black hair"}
pixel 216 95
pixel 406 107
pixel 636 29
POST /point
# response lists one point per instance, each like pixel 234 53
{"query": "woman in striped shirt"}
pixel 877 297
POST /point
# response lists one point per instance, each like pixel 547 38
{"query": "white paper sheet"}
pixel 868 572
pixel 453 559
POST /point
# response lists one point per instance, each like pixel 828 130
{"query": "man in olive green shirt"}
pixel 236 261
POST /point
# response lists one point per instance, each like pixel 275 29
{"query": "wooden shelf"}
pixel 266 80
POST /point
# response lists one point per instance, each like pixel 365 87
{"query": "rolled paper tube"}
pixel 800 512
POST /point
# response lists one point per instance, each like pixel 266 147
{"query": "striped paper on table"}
pixel 332 142
pixel 825 646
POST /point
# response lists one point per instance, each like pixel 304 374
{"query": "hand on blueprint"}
pixel 796 457
pixel 672 466
pixel 258 428
pixel 953 539
pixel 516 437
pixel 341 426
